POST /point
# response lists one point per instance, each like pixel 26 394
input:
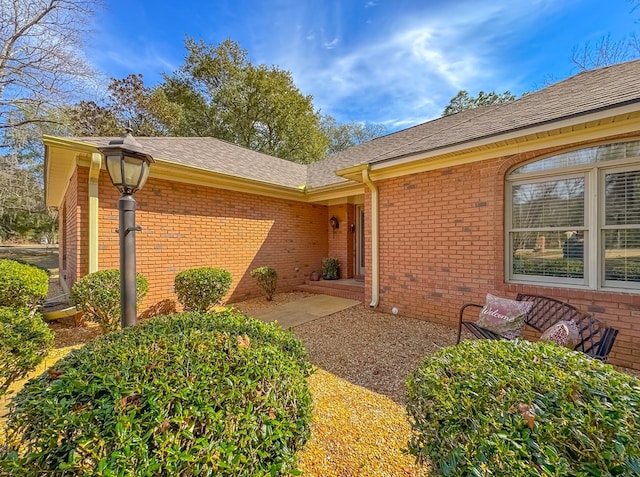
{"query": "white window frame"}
pixel 612 284
pixel 594 257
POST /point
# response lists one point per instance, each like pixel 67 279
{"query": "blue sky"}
pixel 396 62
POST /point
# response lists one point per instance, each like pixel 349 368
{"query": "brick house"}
pixel 486 200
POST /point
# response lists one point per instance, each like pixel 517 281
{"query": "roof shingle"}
pixel 219 156
pixel 584 93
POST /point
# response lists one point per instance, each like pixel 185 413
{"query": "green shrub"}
pixel 187 394
pixel 549 267
pixel 267 279
pixel 97 295
pixel 25 340
pixel 330 268
pixel 198 289
pixel 22 285
pixel 629 271
pixel 515 408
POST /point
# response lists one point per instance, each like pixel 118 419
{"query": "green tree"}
pixel 128 103
pixel 462 101
pixel 344 136
pixel 222 94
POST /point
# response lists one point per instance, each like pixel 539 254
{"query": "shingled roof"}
pixel 584 93
pixel 218 156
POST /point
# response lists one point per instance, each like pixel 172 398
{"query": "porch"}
pixel 350 288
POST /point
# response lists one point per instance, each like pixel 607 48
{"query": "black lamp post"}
pixel 128 168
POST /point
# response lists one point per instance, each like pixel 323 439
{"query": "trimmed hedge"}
pixel 187 394
pixel 25 340
pixel 22 285
pixel 97 295
pixel 517 408
pixel 267 279
pixel 198 289
pixel 554 267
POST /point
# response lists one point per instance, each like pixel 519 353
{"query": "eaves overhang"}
pixel 353 173
pixel 63 155
pixel 587 127
pixel 60 159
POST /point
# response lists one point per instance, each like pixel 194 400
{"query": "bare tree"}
pixel 607 51
pixel 40 56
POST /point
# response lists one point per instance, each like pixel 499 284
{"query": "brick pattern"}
pixel 187 226
pixel 73 260
pixel 342 241
pixel 442 242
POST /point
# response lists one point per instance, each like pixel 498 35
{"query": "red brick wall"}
pixel 186 226
pixel 342 240
pixel 73 236
pixel 442 242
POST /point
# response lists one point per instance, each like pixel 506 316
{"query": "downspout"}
pixel 94 177
pixel 375 254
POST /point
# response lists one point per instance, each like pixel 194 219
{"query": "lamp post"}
pixel 128 167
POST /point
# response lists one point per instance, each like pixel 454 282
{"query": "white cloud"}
pixel 409 71
pixel 365 61
pixel 331 44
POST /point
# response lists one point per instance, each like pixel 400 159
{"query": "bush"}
pixel 550 267
pixel 523 409
pixel 22 285
pixel 198 289
pixel 330 268
pixel 629 271
pixel 25 340
pixel 187 394
pixel 97 295
pixel 267 279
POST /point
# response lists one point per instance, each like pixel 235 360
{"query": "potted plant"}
pixel 330 268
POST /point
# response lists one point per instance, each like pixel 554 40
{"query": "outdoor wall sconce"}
pixel 333 221
pixel 128 167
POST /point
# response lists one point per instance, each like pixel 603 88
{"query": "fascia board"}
pixel 508 144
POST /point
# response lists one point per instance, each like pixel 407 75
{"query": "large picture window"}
pixel 574 219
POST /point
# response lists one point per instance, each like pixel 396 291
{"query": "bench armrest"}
pixel 462 310
pixel 601 349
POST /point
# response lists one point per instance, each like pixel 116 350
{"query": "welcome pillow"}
pixel 503 316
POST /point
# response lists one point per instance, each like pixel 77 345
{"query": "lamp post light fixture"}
pixel 128 167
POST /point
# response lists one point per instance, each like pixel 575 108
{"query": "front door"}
pixel 360 241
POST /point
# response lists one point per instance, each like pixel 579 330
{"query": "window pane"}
pixel 548 204
pixel 591 155
pixel 622 198
pixel 548 254
pixel 622 255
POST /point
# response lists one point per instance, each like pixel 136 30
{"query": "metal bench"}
pixel 596 340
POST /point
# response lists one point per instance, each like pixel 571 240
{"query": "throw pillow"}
pixel 503 316
pixel 563 333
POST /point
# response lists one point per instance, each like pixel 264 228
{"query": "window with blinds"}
pixel 621 226
pixel 574 218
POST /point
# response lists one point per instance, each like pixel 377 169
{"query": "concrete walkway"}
pixel 290 315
